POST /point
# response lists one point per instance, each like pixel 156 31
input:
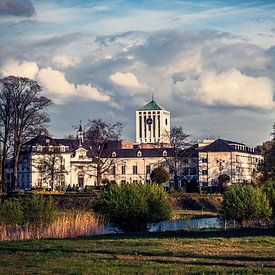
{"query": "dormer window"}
pixel 164 153
pixel 39 148
pixel 51 149
pixel 62 148
pixel 113 154
pixel 139 154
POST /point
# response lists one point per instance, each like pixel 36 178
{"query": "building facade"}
pixel 50 162
pixel 152 124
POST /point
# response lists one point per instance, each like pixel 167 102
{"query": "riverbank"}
pixel 234 251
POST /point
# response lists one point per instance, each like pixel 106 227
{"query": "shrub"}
pixel 244 203
pixel 11 212
pixel 159 175
pixel 38 210
pixel 132 207
pixel 31 210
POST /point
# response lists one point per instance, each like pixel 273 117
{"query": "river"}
pixel 174 225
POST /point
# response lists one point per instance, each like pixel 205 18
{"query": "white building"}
pixel 205 161
pixel 152 124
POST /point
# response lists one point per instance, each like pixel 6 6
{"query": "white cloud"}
pixel 53 82
pixel 231 88
pixel 88 91
pixel 64 61
pixel 23 69
pixel 128 80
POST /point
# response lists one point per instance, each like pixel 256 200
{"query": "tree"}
pixel 99 133
pixel 5 124
pixel 244 203
pixel 180 147
pixel 159 175
pixel 132 207
pixel 23 114
pixel 51 168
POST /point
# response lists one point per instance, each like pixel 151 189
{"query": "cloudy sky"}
pixel 211 63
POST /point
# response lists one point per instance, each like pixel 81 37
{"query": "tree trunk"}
pixel 98 177
pixel 14 182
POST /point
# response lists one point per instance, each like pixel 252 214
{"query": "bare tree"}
pixel 180 153
pixel 51 168
pixel 24 113
pixel 99 133
pixel 5 125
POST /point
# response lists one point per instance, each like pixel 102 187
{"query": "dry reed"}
pixel 66 225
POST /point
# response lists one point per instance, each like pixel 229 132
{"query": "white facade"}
pixel 152 124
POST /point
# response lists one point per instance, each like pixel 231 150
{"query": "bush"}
pixel 159 175
pixel 132 207
pixel 269 190
pixel 32 210
pixel 38 210
pixel 11 212
pixel 244 203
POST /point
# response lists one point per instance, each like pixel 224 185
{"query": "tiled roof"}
pixel 151 106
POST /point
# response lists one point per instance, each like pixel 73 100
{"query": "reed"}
pixel 67 225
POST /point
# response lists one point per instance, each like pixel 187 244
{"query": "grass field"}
pixel 240 251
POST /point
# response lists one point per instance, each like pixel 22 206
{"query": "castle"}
pixel 205 162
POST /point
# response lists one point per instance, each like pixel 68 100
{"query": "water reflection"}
pixel 182 224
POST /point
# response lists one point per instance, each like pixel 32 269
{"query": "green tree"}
pixel 159 175
pixel 132 207
pixel 244 203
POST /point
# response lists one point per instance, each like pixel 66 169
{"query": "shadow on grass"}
pixel 232 233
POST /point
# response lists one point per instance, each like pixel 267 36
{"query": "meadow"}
pixel 208 251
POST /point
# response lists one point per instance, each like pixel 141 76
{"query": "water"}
pixel 174 225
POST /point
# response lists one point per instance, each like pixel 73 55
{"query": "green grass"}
pixel 239 251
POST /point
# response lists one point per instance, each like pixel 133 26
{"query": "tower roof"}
pixel 152 105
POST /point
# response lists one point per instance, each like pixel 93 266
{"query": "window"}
pixel 204 183
pixel 148 169
pixel 113 154
pixel 123 181
pixel 62 148
pixel 164 153
pixel 204 160
pixel 193 171
pixel 135 181
pixel 186 171
pixel 139 154
pixel 123 169
pixel 135 169
pixel 113 170
pixel 204 172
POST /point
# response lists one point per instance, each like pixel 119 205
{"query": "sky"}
pixel 210 63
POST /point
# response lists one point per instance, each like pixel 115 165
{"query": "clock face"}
pixel 149 121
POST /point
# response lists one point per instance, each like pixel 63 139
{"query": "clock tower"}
pixel 152 124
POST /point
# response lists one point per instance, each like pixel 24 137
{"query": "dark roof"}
pixel 222 145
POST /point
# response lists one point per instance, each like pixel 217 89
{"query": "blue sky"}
pixel 211 63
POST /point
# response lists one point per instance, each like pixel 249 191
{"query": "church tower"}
pixel 152 124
